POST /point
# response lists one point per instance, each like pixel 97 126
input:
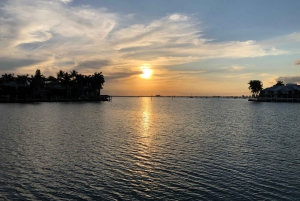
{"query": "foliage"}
pixel 67 85
pixel 279 83
pixel 255 86
pixel 38 80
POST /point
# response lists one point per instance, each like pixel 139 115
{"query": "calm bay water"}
pixel 143 149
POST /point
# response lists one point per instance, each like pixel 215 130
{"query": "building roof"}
pixel 288 87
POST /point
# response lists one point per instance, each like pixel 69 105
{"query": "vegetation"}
pixel 63 86
pixel 279 83
pixel 255 86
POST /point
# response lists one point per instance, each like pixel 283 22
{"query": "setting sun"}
pixel 147 72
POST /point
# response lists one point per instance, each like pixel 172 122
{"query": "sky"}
pixel 181 48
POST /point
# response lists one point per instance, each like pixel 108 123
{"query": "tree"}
pixel 73 74
pixel 279 83
pixel 66 82
pixel 7 78
pixel 255 86
pixel 60 75
pixel 98 82
pixel 79 84
pixel 37 81
pixel 51 78
pixel 21 82
pixel 75 85
pixel 22 79
pixel 88 80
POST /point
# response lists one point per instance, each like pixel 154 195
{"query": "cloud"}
pixel 239 76
pixel 237 68
pixel 39 21
pixel 97 64
pixel 289 79
pixel 121 75
pixel 182 38
pixel 292 39
pixel 66 1
pixel 234 68
pixel 7 64
pixel 297 62
pixel 178 17
pixel 94 38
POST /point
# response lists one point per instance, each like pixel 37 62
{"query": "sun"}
pixel 147 72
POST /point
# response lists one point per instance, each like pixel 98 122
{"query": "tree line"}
pixel 256 86
pixel 63 84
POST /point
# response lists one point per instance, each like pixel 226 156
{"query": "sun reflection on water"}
pixel 145 124
pixel 143 163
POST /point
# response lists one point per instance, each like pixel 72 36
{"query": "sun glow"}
pixel 147 72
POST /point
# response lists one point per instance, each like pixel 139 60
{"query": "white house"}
pixel 285 93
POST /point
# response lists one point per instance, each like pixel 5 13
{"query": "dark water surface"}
pixel 138 149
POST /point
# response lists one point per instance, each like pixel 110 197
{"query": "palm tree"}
pixel 60 75
pixel 21 81
pixel 74 84
pixel 88 84
pixel 73 74
pixel 255 86
pixel 37 81
pixel 79 84
pixel 73 81
pixel 6 78
pixel 98 82
pixel 66 82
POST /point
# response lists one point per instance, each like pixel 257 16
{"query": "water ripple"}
pixel 138 149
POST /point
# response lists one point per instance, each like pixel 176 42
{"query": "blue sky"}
pixel 194 46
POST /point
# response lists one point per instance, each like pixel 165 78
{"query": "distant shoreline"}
pixel 275 100
pixel 241 97
pixel 14 100
pixel 106 98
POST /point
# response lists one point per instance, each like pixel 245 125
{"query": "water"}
pixel 143 149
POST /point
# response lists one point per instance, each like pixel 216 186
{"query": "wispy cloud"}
pixel 66 1
pixel 283 40
pixel 11 65
pixel 239 76
pixel 95 64
pixel 87 38
pixel 233 68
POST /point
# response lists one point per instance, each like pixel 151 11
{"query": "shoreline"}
pixel 102 98
pixel 276 100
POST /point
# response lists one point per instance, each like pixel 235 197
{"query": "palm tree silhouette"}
pixel 60 75
pixel 98 81
pixel 74 85
pixel 255 86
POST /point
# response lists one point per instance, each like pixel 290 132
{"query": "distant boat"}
pixel 157 95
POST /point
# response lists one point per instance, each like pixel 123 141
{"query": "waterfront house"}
pixel 277 93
